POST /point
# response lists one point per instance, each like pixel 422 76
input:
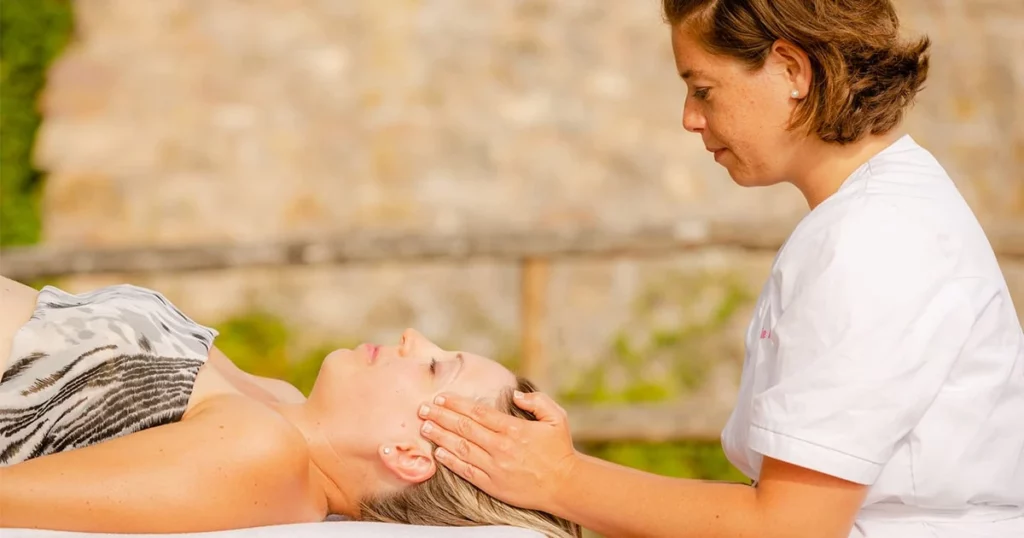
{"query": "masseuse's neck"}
pixel 823 166
pixel 336 479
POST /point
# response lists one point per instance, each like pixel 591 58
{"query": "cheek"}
pixel 361 393
pixel 755 138
pixel 391 421
pixel 393 396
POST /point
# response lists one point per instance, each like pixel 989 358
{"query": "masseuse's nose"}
pixel 693 119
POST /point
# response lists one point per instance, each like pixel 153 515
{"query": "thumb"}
pixel 541 405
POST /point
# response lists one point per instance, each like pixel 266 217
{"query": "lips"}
pixel 371 352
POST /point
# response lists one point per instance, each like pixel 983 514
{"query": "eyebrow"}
pixel 462 364
pixel 691 73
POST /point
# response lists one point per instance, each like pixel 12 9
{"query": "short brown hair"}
pixel 446 499
pixel 864 77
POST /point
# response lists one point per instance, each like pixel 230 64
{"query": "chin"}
pixel 337 364
pixel 744 177
pixel 337 354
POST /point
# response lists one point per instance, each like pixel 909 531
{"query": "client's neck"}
pixel 334 477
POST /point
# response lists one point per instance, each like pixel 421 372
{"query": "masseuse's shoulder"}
pixel 867 248
pixel 903 194
pixel 894 209
pixel 864 231
pixel 891 226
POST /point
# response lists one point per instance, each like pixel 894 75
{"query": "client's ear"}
pixel 408 461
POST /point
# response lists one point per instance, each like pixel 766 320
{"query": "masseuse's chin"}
pixel 744 181
pixel 740 177
pixel 744 177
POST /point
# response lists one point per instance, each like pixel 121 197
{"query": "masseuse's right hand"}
pixel 518 461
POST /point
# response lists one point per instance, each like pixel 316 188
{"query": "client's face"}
pixel 372 394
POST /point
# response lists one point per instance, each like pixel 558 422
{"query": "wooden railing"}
pixel 44 261
pixel 532 250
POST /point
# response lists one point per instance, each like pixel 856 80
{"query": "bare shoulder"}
pixel 269 456
pixel 259 433
pixel 17 302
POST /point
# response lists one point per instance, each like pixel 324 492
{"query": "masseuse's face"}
pixel 372 394
pixel 741 114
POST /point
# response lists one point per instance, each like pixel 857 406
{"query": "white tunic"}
pixel 885 350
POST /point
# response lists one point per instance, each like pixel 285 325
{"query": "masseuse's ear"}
pixel 791 62
pixel 408 461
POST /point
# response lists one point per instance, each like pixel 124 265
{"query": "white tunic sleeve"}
pixel 871 323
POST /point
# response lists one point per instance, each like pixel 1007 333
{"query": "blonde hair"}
pixel 864 76
pixel 448 500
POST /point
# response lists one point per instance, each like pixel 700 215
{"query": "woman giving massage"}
pixel 118 414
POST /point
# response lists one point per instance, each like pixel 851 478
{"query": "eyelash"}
pixel 701 93
pixel 433 366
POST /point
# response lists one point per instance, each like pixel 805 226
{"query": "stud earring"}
pixel 387 450
pixel 794 94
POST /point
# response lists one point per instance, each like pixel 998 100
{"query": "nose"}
pixel 693 119
pixel 412 343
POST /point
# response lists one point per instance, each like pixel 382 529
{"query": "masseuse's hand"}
pixel 518 461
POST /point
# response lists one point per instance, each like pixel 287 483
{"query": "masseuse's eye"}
pixel 701 93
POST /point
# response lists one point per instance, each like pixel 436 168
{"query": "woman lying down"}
pixel 119 415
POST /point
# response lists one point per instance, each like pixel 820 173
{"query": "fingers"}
pixel 458 425
pixel 471 473
pixel 541 405
pixel 465 451
pixel 479 412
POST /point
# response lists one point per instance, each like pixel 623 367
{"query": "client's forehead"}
pixel 482 377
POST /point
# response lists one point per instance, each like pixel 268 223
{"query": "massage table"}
pixel 326 529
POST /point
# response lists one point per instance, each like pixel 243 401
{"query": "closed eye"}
pixel 450 375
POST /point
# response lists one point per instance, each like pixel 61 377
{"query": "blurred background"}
pixel 146 124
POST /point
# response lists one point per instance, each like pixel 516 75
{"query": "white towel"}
pixel 329 529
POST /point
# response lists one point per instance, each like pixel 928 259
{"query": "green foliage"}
pixel 683 459
pixel 652 360
pixel 32 33
pixel 257 343
pixel 39 283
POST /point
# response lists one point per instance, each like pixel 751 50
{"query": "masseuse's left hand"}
pixel 518 461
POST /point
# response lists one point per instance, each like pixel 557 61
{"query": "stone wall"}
pixel 177 122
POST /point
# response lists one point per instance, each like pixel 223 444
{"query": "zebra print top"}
pixel 91 367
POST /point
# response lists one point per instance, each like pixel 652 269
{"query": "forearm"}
pixel 57 493
pixel 36 495
pixel 533 464
pixel 192 476
pixel 619 501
